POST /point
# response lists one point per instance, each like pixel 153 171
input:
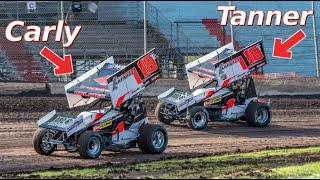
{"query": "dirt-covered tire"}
pixel 153 139
pixel 90 145
pixel 160 116
pixel 39 138
pixel 198 118
pixel 242 118
pixel 258 114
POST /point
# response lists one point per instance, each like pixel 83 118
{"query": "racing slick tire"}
pixel 198 118
pixel 153 139
pixel 90 145
pixel 258 114
pixel 160 116
pixel 40 137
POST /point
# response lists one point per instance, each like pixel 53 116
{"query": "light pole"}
pixel 315 38
pixel 63 38
pixel 231 27
pixel 144 27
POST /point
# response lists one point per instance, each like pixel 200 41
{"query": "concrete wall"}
pixel 298 86
pixel 18 88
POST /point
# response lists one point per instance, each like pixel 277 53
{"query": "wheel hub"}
pixel 94 145
pixel 46 145
pixel 262 115
pixel 158 139
pixel 199 119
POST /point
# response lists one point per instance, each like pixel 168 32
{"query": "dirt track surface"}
pixel 296 122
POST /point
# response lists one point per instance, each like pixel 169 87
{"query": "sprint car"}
pixel 225 90
pixel 121 123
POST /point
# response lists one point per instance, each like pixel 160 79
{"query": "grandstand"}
pixel 116 29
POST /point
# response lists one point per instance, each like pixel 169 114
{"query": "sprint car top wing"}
pixel 240 64
pixel 92 85
pixel 112 81
pixel 225 66
pixel 202 70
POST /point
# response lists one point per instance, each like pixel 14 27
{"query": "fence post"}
pixel 17 15
pixel 157 17
pixel 224 36
pixel 145 26
pixel 63 38
pixel 186 61
pixel 231 27
pixel 171 35
pixel 177 35
pixel 315 38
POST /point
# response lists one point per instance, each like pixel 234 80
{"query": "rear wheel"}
pixel 153 139
pixel 90 145
pixel 198 118
pixel 41 140
pixel 161 115
pixel 258 114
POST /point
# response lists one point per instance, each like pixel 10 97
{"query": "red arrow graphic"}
pixel 63 66
pixel 282 50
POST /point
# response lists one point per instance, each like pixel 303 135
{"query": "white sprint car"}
pixel 232 95
pixel 123 124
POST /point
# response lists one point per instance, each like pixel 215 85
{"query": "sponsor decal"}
pixel 215 100
pixel 75 124
pixel 95 88
pixel 62 120
pixel 95 95
pixel 59 122
pixel 103 125
pixel 186 102
pixel 230 63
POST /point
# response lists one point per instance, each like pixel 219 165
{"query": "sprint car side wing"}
pixel 202 70
pixel 240 64
pixel 112 81
pixel 132 79
pixel 225 66
pixel 92 85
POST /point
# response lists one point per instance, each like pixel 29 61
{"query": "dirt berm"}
pixel 269 87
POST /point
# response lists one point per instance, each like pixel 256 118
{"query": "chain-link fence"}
pixel 207 32
pixel 116 29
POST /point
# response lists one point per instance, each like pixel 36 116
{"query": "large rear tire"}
pixel 90 145
pixel 258 114
pixel 40 141
pixel 160 117
pixel 198 118
pixel 153 139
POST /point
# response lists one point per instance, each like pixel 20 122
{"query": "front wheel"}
pixel 153 139
pixel 90 145
pixel 198 118
pixel 258 114
pixel 161 115
pixel 41 141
